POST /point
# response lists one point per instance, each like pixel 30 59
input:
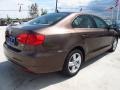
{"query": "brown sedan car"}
pixel 58 42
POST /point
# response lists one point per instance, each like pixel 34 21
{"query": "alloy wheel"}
pixel 74 63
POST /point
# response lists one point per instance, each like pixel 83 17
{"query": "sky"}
pixel 11 7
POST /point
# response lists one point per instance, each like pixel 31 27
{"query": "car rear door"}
pixel 85 26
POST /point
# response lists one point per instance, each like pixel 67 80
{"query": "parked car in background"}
pixel 58 42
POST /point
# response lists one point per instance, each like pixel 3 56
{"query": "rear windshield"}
pixel 48 19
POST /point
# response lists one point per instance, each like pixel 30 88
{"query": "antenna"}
pixel 56 10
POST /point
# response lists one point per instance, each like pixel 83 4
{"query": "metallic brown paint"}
pixel 60 39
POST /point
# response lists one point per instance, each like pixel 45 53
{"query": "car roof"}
pixel 79 13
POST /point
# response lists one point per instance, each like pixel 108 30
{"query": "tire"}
pixel 73 63
pixel 114 45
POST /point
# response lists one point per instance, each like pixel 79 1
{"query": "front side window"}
pixel 99 22
pixel 82 22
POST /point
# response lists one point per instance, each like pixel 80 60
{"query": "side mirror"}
pixel 112 27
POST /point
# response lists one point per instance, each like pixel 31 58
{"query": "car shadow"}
pixel 93 60
pixel 12 77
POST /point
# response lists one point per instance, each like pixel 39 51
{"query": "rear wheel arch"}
pixel 78 48
pixel 81 49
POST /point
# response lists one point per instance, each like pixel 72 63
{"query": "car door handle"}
pixel 84 35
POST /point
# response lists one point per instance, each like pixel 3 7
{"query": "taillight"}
pixel 33 39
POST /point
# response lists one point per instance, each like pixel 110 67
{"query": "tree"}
pixel 33 10
pixel 43 11
pixel 2 22
pixel 8 20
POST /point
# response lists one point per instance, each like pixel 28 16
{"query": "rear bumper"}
pixel 44 63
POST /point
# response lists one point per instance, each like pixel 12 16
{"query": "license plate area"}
pixel 11 40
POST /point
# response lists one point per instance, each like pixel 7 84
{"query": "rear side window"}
pixel 83 22
pixel 99 22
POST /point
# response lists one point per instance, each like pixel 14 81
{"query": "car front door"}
pixel 108 34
